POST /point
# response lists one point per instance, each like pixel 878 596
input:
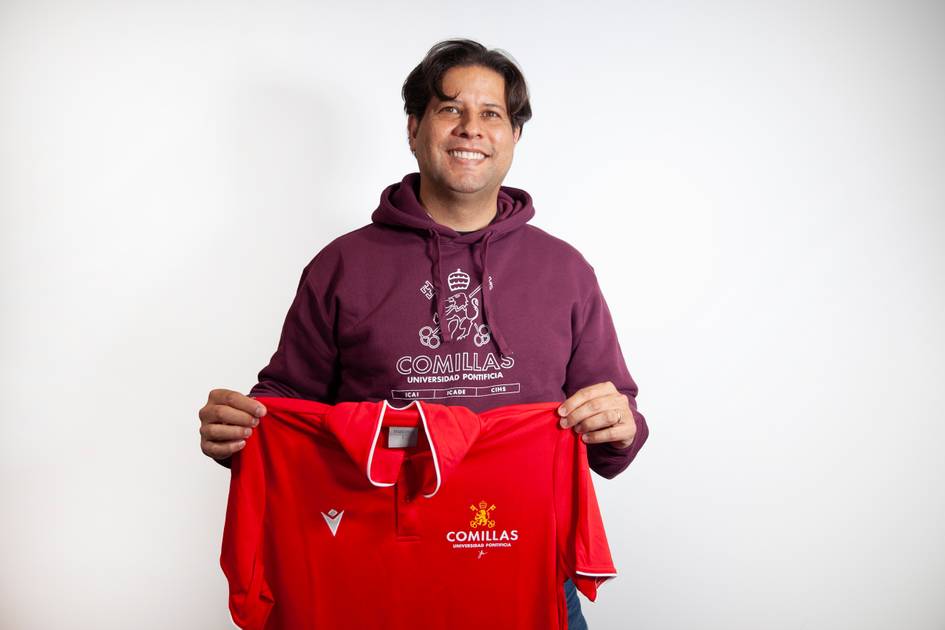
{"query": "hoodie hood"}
pixel 400 207
pixel 449 434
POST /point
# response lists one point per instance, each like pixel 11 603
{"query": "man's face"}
pixel 465 145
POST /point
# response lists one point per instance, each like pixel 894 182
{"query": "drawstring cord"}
pixel 438 286
pixel 488 307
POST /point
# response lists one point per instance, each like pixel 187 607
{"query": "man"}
pixel 449 296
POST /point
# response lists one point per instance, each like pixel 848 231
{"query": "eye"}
pixel 450 109
pixel 492 114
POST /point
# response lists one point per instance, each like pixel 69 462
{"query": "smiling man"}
pixel 449 295
pixel 463 141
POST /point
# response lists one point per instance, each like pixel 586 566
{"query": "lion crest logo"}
pixel 462 311
pixel 482 513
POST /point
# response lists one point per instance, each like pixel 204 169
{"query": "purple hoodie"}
pixel 524 318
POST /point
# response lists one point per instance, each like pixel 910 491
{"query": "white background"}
pixel 758 185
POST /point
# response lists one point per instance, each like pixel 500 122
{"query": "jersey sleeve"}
pixel 583 552
pixel 241 557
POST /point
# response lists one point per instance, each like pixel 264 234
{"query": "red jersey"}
pixel 364 515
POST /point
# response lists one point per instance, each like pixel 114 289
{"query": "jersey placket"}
pixel 407 503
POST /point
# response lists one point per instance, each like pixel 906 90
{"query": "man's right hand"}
pixel 226 422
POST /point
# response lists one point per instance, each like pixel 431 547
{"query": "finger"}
pixel 598 421
pixel 236 400
pixel 593 407
pixel 584 394
pixel 617 433
pixel 602 404
pixel 221 414
pixel 224 432
pixel 233 411
pixel 221 450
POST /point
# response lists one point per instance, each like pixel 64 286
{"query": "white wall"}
pixel 759 186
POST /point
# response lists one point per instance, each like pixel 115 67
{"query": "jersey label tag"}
pixel 402 437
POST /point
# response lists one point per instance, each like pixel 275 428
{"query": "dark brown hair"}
pixel 427 78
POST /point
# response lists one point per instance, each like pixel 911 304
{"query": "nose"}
pixel 468 126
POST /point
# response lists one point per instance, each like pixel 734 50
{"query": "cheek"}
pixel 504 144
pixel 504 152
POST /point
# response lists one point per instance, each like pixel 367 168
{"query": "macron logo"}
pixel 333 520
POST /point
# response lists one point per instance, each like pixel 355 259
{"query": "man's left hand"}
pixel 599 413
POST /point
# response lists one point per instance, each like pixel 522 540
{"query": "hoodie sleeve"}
pixel 305 364
pixel 596 358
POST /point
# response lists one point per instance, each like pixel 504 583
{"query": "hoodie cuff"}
pixel 613 449
pixel 608 460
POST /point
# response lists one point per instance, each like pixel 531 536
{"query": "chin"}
pixel 466 189
pixel 468 185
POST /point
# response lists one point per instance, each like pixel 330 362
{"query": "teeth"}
pixel 467 155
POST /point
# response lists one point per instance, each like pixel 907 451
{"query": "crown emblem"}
pixel 458 281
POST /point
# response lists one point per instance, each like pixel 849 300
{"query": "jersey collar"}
pixel 450 432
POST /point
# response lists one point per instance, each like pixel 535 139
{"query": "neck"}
pixel 458 211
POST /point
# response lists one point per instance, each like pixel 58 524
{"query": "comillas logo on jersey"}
pixel 433 374
pixel 482 531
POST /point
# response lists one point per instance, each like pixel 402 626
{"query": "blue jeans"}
pixel 575 616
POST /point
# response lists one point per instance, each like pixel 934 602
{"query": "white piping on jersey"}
pixel 377 433
pixel 426 429
pixel 601 577
pixel 436 463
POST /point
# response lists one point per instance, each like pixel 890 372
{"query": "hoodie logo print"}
pixel 461 369
pixel 333 520
pixel 461 310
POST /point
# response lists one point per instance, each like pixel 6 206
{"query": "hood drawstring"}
pixel 400 208
pixel 488 308
pixel 438 292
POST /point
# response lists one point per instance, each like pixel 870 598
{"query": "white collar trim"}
pixel 426 429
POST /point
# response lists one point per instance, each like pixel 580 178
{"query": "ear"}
pixel 412 126
pixel 516 134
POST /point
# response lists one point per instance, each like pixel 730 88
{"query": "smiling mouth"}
pixel 467 155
